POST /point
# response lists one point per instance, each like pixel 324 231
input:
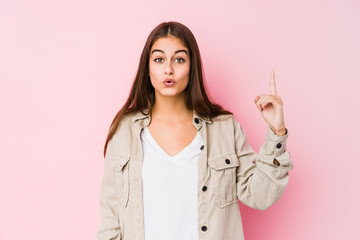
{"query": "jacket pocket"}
pixel 223 178
pixel 121 171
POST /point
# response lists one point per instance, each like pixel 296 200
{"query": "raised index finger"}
pixel 272 83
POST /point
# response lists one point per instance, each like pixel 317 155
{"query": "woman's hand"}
pixel 271 108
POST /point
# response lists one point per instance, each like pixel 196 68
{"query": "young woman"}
pixel 176 163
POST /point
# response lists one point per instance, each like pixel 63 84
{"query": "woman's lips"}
pixel 169 82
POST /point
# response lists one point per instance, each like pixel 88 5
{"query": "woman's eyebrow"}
pixel 182 50
pixel 158 50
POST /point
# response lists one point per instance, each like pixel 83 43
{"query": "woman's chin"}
pixel 170 92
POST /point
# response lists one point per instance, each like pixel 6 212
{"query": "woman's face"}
pixel 169 66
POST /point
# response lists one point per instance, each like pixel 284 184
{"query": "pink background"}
pixel 66 68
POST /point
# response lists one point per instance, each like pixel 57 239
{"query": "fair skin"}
pixel 171 122
pixel 271 108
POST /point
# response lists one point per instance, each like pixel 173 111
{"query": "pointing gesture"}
pixel 271 108
pixel 272 83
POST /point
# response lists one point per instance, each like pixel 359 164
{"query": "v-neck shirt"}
pixel 170 186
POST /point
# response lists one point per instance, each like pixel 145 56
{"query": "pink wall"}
pixel 66 68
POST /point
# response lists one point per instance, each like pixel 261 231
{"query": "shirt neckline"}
pixel 184 151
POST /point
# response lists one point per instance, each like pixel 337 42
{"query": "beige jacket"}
pixel 228 170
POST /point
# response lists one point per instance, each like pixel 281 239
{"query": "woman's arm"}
pixel 262 178
pixel 109 228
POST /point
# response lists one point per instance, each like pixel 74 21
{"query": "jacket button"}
pixel 196 120
pixel 278 146
pixel 204 188
pixel 227 161
pixel 203 228
pixel 202 147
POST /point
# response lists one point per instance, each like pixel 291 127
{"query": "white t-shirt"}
pixel 170 190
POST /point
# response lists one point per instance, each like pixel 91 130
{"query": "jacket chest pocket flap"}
pixel 223 178
pixel 120 166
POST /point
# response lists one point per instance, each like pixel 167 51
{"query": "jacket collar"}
pixel 204 119
pixel 144 115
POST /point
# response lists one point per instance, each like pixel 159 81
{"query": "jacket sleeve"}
pixel 261 178
pixel 109 228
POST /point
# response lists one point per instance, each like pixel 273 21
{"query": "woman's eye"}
pixel 158 60
pixel 179 60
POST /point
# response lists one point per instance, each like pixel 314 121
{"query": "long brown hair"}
pixel 142 94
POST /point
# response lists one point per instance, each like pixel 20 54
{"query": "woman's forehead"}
pixel 168 44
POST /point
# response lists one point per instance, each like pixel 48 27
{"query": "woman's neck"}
pixel 171 108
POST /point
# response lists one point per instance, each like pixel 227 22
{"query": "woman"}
pixel 176 163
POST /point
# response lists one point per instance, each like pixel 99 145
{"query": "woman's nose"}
pixel 168 68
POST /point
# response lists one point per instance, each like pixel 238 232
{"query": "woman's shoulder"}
pixel 226 122
pixel 125 133
pixel 127 118
pixel 127 122
pixel 223 122
pixel 222 117
pixel 131 117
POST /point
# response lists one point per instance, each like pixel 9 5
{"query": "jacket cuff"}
pixel 275 145
pixel 273 154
